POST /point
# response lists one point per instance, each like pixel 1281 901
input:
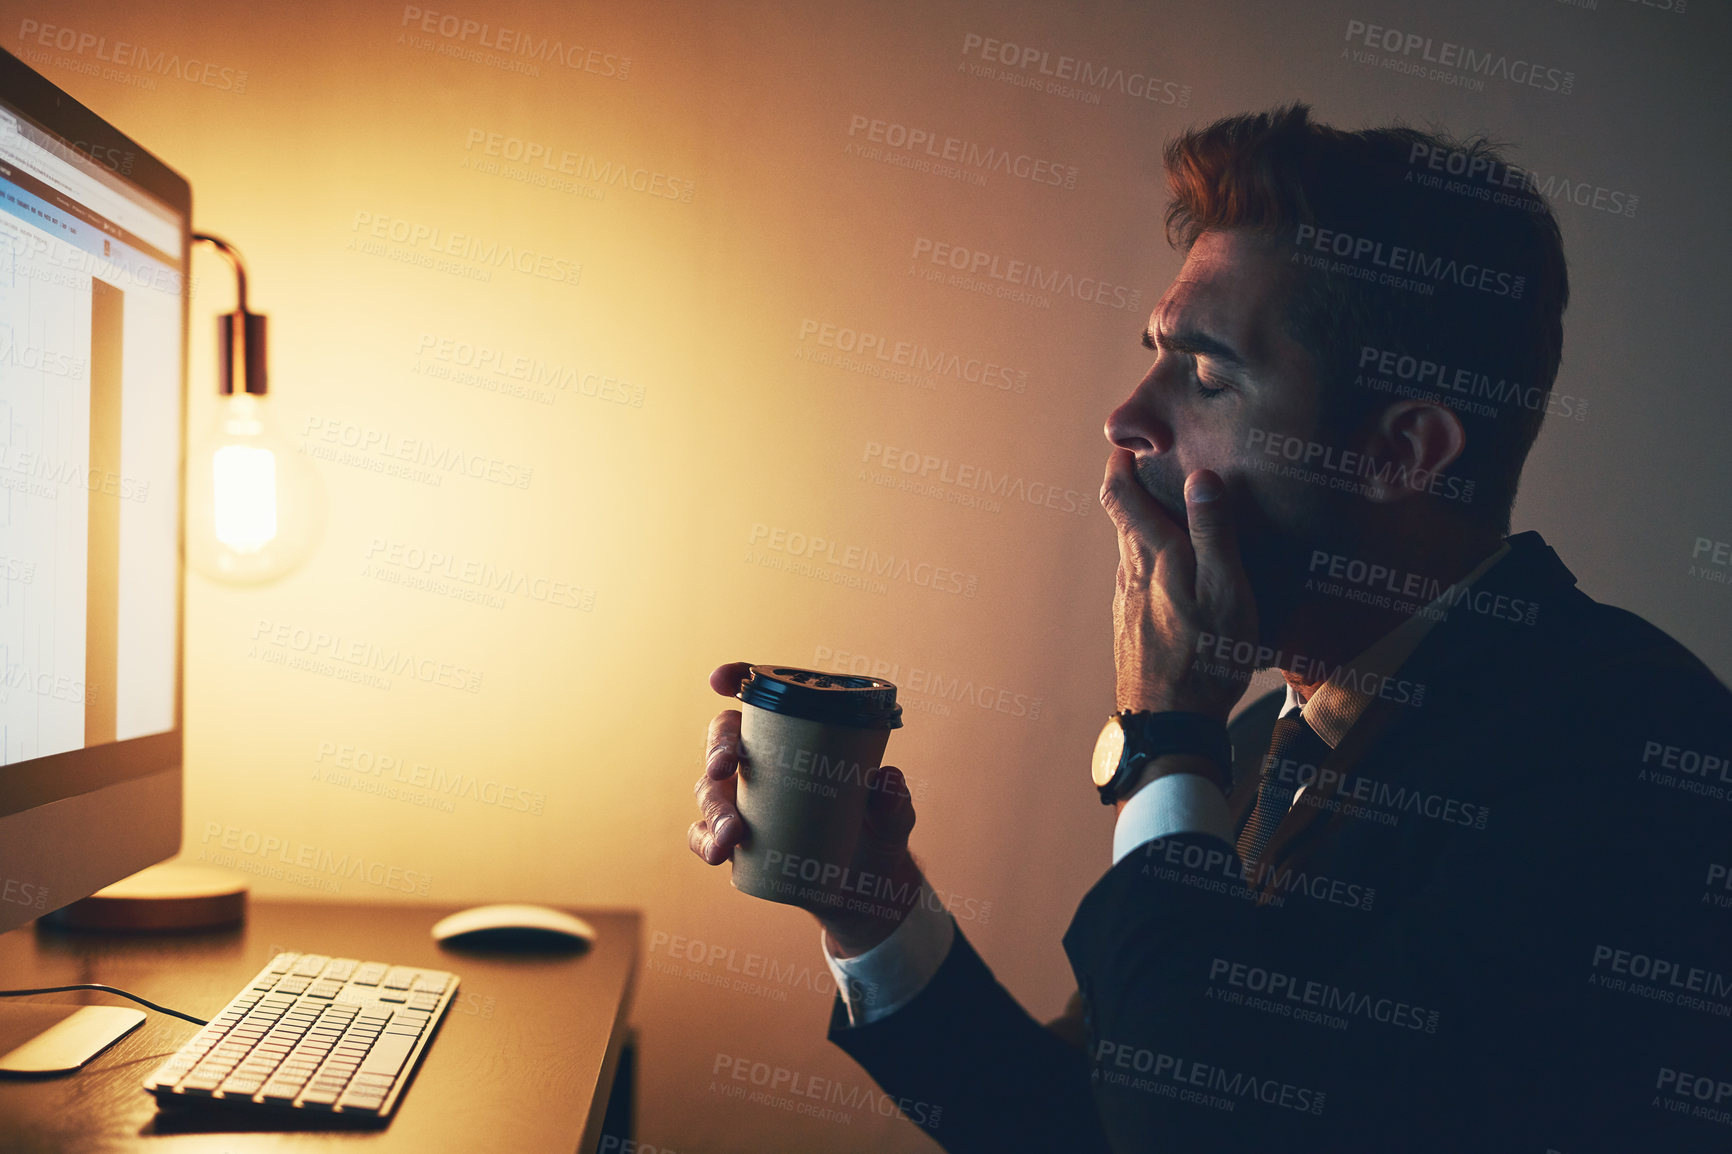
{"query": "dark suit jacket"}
pixel 1491 928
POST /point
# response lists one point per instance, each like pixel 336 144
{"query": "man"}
pixel 1444 893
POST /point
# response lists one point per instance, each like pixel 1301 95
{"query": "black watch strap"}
pixel 1151 735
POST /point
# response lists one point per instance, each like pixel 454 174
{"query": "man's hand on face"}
pixel 1174 586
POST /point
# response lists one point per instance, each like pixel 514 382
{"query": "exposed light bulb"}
pixel 254 508
pixel 246 497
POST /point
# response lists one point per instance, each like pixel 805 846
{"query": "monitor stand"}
pixel 41 1039
pixel 167 896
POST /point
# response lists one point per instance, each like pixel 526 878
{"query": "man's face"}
pixel 1224 367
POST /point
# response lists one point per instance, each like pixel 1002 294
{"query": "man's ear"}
pixel 1411 442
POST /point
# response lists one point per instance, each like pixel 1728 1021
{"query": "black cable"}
pixel 106 990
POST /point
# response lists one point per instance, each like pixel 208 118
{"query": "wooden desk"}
pixel 524 1060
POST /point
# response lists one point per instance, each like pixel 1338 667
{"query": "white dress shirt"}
pixel 886 977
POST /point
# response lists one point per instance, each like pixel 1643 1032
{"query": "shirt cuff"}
pixel 877 983
pixel 1170 804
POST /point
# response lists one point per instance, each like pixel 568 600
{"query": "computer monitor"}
pixel 94 235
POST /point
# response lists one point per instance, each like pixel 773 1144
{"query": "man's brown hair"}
pixel 1432 250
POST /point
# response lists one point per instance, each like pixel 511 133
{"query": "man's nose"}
pixel 1139 424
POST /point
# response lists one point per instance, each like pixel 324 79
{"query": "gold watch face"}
pixel 1108 748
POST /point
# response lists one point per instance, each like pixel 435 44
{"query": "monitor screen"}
pixel 93 321
pixel 90 431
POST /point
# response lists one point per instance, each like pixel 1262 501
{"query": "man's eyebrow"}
pixel 1192 343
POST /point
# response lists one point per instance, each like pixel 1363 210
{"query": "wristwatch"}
pixel 1130 739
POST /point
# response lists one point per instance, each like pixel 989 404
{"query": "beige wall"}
pixel 706 313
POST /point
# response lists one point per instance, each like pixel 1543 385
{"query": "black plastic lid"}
pixel 831 698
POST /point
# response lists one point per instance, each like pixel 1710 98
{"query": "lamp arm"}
pixel 234 257
pixel 241 334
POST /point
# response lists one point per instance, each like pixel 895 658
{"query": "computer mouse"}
pixel 513 927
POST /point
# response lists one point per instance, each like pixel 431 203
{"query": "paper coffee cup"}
pixel 811 750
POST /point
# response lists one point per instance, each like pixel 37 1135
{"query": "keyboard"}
pixel 313 1033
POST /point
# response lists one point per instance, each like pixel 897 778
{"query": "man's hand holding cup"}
pixel 835 824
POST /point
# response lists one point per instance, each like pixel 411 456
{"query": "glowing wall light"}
pixel 254 508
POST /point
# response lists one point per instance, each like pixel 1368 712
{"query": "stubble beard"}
pixel 1276 551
